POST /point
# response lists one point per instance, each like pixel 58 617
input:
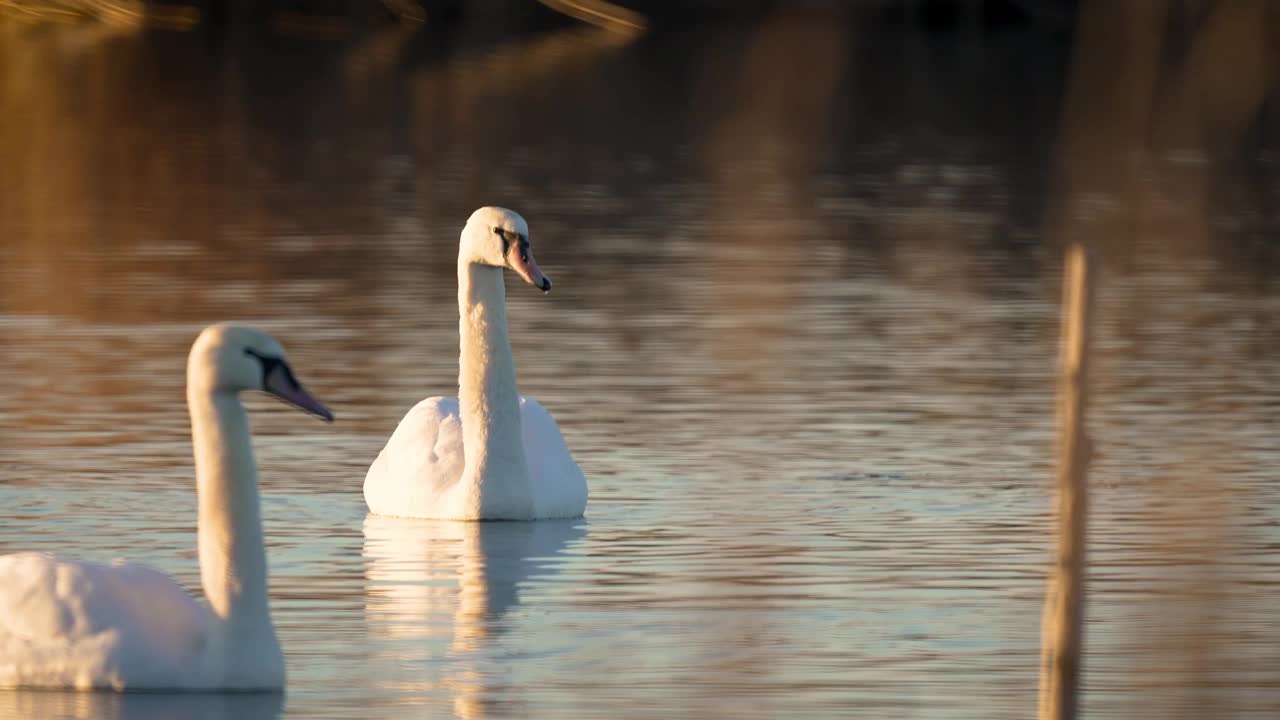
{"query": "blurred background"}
pixel 802 339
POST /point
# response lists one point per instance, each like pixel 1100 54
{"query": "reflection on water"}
pixel 438 593
pixel 802 343
pixel 50 705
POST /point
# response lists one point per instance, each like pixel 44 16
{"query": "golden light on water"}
pixel 606 15
pixel 808 268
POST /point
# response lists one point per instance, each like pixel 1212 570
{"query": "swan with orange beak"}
pixel 490 453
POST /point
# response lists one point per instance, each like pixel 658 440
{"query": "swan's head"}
pixel 231 358
pixel 500 237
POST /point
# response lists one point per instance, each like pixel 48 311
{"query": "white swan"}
pixel 489 454
pixel 85 625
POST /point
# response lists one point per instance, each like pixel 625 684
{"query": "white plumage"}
pixel 489 454
pixel 72 624
pixel 121 626
pixel 419 472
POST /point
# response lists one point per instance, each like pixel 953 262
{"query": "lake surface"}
pixel 802 342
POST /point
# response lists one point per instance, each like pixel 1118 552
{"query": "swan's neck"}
pixel 496 477
pixel 233 560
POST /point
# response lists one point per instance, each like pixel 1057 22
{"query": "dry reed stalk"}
pixel 1062 627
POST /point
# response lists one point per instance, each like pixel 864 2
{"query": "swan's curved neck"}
pixel 233 559
pixel 496 476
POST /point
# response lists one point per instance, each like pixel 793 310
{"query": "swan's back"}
pixel 89 625
pixel 559 487
pixel 421 463
pixel 418 471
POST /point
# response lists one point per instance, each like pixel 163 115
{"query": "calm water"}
pixel 802 343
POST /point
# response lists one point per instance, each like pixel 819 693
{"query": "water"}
pixel 802 343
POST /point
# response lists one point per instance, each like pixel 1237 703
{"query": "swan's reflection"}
pixel 59 705
pixel 446 587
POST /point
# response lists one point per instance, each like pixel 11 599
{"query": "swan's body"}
pixel 71 624
pixel 489 454
pixel 85 625
pixel 419 473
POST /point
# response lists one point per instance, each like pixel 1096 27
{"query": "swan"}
pixel 489 454
pixel 122 626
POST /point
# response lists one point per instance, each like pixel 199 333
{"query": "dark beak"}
pixel 281 383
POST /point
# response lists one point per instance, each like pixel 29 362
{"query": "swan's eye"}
pixel 506 244
pixel 270 363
